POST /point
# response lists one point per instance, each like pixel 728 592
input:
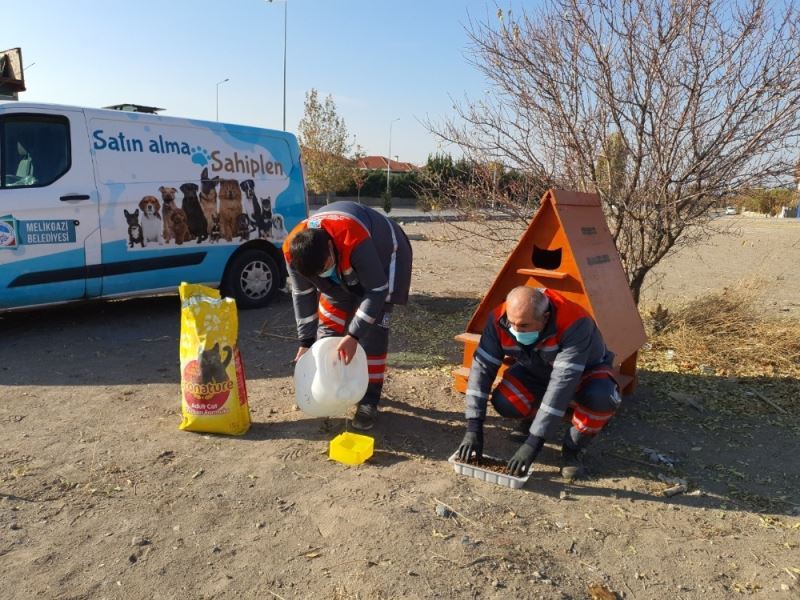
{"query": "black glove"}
pixel 524 457
pixel 472 442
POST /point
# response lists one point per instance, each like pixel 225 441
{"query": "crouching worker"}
pixel 349 265
pixel 559 356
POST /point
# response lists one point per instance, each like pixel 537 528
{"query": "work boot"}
pixel 521 430
pixel 571 463
pixel 365 416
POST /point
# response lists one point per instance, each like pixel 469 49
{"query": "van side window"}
pixel 34 150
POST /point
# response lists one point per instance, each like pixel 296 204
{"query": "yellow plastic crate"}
pixel 351 448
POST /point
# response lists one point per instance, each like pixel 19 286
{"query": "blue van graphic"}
pixel 103 203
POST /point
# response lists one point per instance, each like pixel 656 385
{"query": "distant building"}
pixel 379 163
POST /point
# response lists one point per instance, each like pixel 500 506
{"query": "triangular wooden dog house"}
pixel 568 248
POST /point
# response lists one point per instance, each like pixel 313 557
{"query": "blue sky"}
pixel 379 59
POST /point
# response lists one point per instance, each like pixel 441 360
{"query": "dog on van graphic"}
pixel 180 227
pixel 244 227
pixel 151 220
pixel 134 229
pixel 167 206
pixel 262 210
pixel 216 233
pixel 208 197
pixel 249 188
pixel 195 218
pixel 265 227
pixel 279 232
pixel 230 207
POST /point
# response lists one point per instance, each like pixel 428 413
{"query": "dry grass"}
pixel 727 333
pixel 423 331
pixel 722 352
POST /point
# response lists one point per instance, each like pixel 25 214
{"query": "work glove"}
pixel 523 458
pixel 472 442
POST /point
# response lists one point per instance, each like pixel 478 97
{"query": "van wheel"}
pixel 252 279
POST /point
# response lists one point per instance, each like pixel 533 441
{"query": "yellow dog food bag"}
pixel 214 395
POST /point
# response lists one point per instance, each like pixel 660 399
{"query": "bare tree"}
pixel 665 108
pixel 357 174
pixel 480 190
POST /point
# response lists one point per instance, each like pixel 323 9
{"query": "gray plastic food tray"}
pixel 508 481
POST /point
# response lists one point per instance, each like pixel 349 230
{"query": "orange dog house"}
pixel 568 248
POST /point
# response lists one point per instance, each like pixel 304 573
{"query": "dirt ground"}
pixel 102 497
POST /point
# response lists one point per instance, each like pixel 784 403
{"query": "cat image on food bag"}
pixel 213 388
pixel 212 367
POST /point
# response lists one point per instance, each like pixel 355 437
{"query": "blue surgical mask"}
pixel 526 338
pixel 329 272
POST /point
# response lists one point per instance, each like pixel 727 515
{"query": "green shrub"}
pixel 766 201
pixel 403 185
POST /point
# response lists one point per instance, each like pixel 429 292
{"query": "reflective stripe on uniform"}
pixel 330 316
pixel 393 261
pixel 600 372
pixel 589 422
pixel 303 292
pixel 331 309
pixel 551 411
pixel 332 325
pixel 568 366
pixel 516 393
pixel 364 316
pixel 485 355
pixel 376 367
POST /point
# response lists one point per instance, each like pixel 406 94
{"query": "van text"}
pixel 245 164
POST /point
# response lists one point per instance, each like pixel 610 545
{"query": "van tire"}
pixel 252 278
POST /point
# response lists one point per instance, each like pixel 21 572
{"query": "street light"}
pixel 285 19
pixel 219 83
pixel 389 157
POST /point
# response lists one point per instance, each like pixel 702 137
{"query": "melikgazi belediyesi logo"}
pixel 8 235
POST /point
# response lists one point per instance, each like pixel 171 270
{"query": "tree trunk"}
pixel 637 280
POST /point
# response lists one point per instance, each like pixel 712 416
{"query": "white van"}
pixel 104 203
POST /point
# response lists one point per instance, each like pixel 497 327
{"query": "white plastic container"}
pixel 324 385
pixel 477 472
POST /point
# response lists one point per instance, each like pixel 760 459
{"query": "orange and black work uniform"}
pixel 569 361
pixel 373 273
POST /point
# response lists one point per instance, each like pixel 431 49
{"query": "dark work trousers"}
pixel 519 394
pixel 336 308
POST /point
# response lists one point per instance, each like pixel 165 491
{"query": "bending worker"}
pixel 559 355
pixel 348 266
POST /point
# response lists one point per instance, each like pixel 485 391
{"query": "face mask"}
pixel 526 338
pixel 329 272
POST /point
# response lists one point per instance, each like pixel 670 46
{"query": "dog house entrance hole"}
pixel 546 259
